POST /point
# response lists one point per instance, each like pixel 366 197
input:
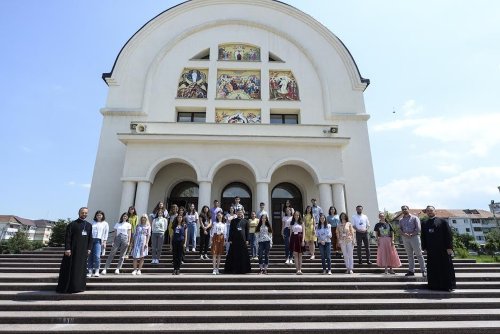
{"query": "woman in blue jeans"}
pixel 100 230
pixel 324 234
pixel 264 237
pixel 191 219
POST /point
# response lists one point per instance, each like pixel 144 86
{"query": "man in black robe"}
pixel 437 240
pixel 237 259
pixel 78 243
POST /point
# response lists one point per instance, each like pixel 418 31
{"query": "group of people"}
pixel 243 240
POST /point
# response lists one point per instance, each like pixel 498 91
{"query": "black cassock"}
pixel 436 238
pixel 237 259
pixel 72 275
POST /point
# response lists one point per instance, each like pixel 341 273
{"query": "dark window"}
pixel 191 117
pixel 476 221
pixel 467 230
pixel 284 119
pixel 454 221
pixel 477 229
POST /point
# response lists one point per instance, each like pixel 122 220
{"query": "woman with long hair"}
pixel 191 219
pixel 310 230
pixel 387 255
pixel 100 230
pixel 252 225
pixel 174 209
pixel 205 227
pixel 297 243
pixel 218 241
pixel 141 241
pixel 132 219
pixel 324 234
pixel 264 237
pixel 158 236
pixel 333 220
pixel 178 243
pixel 120 243
pixel 346 235
pixel 285 233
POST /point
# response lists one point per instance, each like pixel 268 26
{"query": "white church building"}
pixel 217 98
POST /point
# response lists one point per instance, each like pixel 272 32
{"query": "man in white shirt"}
pixel 237 206
pixel 216 209
pixel 316 211
pixel 361 224
pixel 262 210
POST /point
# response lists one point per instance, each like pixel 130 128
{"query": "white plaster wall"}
pixel 143 88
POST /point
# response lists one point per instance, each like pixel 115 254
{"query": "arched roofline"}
pixel 296 13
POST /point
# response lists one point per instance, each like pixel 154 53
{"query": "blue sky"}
pixel 434 99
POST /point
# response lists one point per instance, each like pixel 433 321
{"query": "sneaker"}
pixel 193 249
pixel 351 272
pixel 125 257
pixel 261 271
pixel 347 271
pixel 153 261
pixel 218 272
pixel 214 272
pixel 312 257
pixel 299 272
pixel 287 261
pixel 182 262
pixel 103 272
pixel 392 272
pixel 329 272
pixel 324 272
pixel 386 271
pixel 139 272
pixel 117 272
pixel 202 257
pixel 265 271
pixel 410 273
pixel 134 272
pixel 291 261
pixel 96 274
pixel 89 274
pixel 424 274
pixel 369 263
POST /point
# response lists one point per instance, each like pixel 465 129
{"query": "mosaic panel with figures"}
pixel 193 84
pixel 239 52
pixel 237 116
pixel 283 86
pixel 238 85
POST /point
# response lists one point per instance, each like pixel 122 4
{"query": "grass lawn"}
pixel 485 258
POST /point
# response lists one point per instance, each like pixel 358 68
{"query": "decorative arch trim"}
pixel 229 161
pixel 160 163
pixel 293 162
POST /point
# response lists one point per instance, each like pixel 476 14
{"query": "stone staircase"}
pixel 281 302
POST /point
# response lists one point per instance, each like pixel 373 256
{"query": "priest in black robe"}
pixel 437 240
pixel 238 259
pixel 77 246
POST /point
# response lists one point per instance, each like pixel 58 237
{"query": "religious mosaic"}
pixel 239 52
pixel 193 84
pixel 283 86
pixel 238 85
pixel 237 116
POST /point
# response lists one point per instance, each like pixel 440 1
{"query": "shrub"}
pixel 18 242
pixel 58 233
pixel 37 244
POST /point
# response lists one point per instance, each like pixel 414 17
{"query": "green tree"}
pixel 18 242
pixel 58 233
pixel 493 241
pixel 468 241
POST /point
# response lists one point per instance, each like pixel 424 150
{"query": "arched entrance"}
pixel 280 194
pixel 183 194
pixel 237 189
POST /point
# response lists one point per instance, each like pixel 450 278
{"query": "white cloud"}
pixel 449 168
pixel 473 188
pixel 80 185
pixel 411 108
pixel 399 124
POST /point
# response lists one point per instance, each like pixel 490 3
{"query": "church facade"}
pixel 213 99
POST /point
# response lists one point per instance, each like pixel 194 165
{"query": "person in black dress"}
pixel 237 259
pixel 77 247
pixel 437 240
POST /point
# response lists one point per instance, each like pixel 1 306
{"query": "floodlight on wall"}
pixel 334 129
pixel 140 128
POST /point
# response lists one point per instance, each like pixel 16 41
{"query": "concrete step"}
pixel 212 316
pixel 402 327
pixel 253 294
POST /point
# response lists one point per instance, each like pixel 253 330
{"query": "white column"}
pixel 142 197
pixel 204 193
pixel 339 197
pixel 128 195
pixel 263 196
pixel 325 197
